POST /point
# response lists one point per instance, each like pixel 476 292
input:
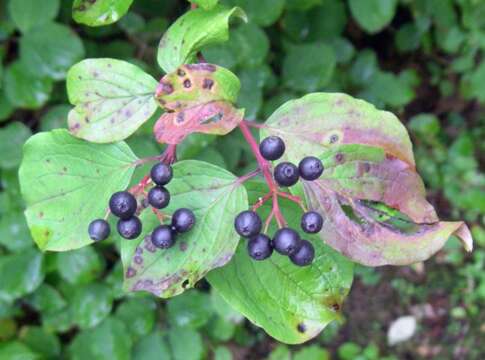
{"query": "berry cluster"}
pixel 286 241
pixel 285 173
pixel 124 205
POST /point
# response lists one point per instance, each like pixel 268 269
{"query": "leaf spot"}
pixel 301 328
pixel 339 157
pixel 183 246
pixel 333 139
pixel 186 284
pixel 207 84
pixel 130 272
pixel 187 83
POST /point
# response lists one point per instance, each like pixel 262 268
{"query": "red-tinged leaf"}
pixel 365 172
pixel 195 84
pixel 368 158
pixel 322 120
pixel 217 118
pixel 352 228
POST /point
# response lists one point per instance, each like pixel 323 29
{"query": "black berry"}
pixel 158 197
pixel 304 255
pixel 183 220
pixel 130 228
pixel 163 237
pixel 260 247
pixel 286 241
pixel 311 222
pixel 286 174
pixel 272 148
pixel 161 174
pixel 310 168
pixel 123 204
pixel 248 223
pixel 99 230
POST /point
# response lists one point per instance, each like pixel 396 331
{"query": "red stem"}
pixel 262 163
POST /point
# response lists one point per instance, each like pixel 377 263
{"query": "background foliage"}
pixel 420 59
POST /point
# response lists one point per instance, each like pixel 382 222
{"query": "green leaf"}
pixel 46 299
pixel 55 117
pixel 312 352
pixel 91 304
pixel 28 13
pixel 292 304
pixel 17 351
pixel 24 90
pixel 41 341
pixel 15 283
pixel 250 44
pixel 205 4
pixel 108 341
pixel 66 183
pixel 260 12
pixel 390 89
pixel 80 266
pixel 308 67
pixel 99 12
pixel 14 232
pixel 192 310
pixel 49 50
pixel 216 198
pixel 186 344
pixel 152 347
pixel 113 99
pixel 6 108
pixel 12 137
pixel 373 15
pixel 139 316
pixel 192 31
pixel 222 353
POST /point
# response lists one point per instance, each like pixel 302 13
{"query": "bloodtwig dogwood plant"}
pixel 336 183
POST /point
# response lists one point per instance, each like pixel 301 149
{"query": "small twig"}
pixel 255 124
pixel 248 176
pixel 268 221
pixel 261 201
pixel 294 198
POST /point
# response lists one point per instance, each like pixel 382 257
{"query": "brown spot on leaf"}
pixel 207 84
pixel 183 246
pixel 186 284
pixel 180 117
pixel 138 259
pixel 130 272
pixel 339 157
pixel 41 215
pixel 187 83
pixel 301 328
pixel 180 72
pixel 333 139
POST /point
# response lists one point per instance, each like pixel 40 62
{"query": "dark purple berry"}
pixel 99 229
pixel 183 220
pixel 163 237
pixel 286 174
pixel 260 247
pixel 272 148
pixel 161 174
pixel 158 197
pixel 286 241
pixel 123 204
pixel 311 222
pixel 304 254
pixel 130 228
pixel 248 223
pixel 310 168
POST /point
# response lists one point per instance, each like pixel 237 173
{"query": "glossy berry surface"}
pixel 161 174
pixel 304 255
pixel 272 148
pixel 286 174
pixel 123 204
pixel 130 228
pixel 163 237
pixel 99 229
pixel 310 168
pixel 248 223
pixel 260 247
pixel 183 220
pixel 158 197
pixel 311 222
pixel 286 241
